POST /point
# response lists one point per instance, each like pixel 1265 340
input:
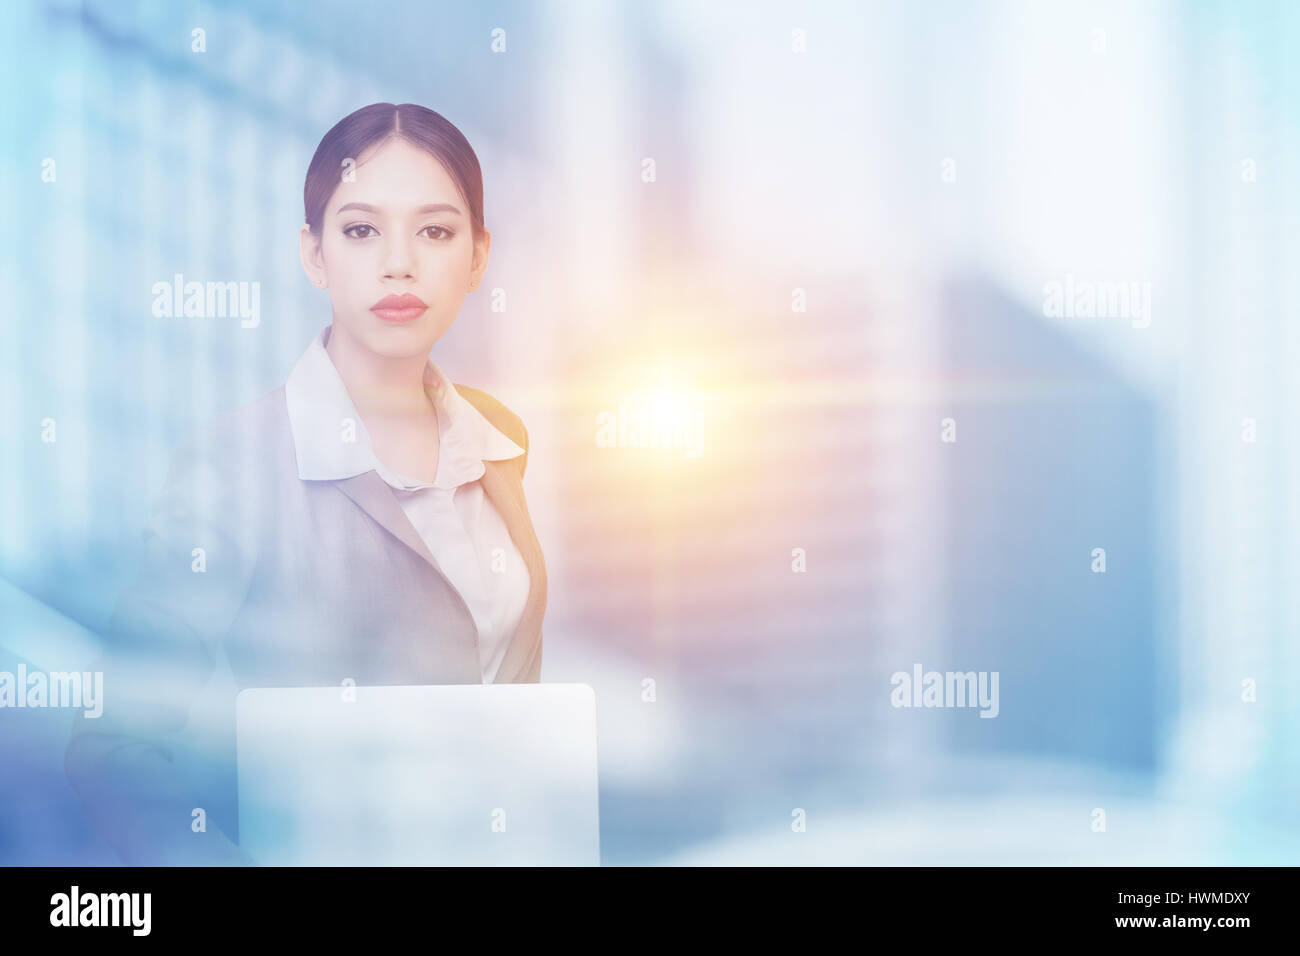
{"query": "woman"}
pixel 363 524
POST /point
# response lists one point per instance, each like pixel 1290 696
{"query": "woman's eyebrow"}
pixel 423 210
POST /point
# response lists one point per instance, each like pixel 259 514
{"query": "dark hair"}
pixel 421 127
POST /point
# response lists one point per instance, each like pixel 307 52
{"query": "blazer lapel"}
pixel 376 499
pixel 504 488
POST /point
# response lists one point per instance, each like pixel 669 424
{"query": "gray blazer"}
pixel 298 583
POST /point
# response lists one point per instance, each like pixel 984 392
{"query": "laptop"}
pixel 452 775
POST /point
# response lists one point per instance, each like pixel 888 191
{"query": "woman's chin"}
pixel 398 339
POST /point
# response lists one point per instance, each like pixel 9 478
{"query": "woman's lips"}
pixel 399 308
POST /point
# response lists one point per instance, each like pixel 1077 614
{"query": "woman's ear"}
pixel 482 246
pixel 313 263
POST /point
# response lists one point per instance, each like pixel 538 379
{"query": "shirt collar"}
pixel 331 441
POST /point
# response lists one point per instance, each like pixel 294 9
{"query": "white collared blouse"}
pixel 456 520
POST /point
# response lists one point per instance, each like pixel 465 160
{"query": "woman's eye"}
pixel 352 231
pixel 446 233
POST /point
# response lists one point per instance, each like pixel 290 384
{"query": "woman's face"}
pixel 396 228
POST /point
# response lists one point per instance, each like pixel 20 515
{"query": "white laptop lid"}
pixel 463 774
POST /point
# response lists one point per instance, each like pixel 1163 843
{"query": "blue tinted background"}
pixel 913 178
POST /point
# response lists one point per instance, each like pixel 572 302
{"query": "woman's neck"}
pixel 380 386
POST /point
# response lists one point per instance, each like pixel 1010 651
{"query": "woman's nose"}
pixel 399 261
